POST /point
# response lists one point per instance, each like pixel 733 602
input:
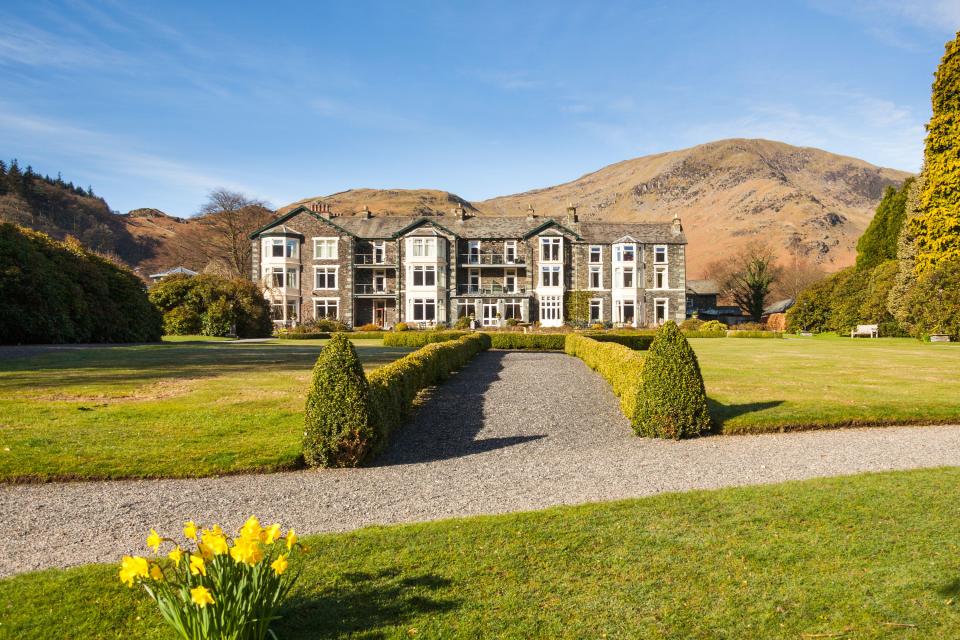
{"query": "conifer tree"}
pixel 879 242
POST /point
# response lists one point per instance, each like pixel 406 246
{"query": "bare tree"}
pixel 231 217
pixel 799 273
pixel 747 277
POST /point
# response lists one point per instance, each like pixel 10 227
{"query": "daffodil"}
pixel 251 528
pixel 291 539
pixel 213 541
pixel 201 596
pixel 175 555
pixel 132 568
pixel 154 540
pixel 156 573
pixel 271 534
pixel 247 550
pixel 197 565
pixel 190 530
pixel 279 565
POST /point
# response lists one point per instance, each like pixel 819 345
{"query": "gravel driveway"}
pixel 513 431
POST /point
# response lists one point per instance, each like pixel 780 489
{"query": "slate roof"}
pixel 174 271
pixel 703 287
pixel 781 306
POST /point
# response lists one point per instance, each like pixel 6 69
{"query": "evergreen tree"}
pixel 879 242
pixel 936 227
pixel 898 303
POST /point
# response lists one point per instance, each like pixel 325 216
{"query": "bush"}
pixel 536 341
pixel 635 341
pixel 691 324
pixel 56 292
pixel 512 322
pixel 319 325
pixel 222 304
pixel 370 326
pixel 338 429
pixel 621 366
pixel 754 334
pixel 748 326
pixel 283 334
pixel 934 304
pixel 367 335
pixel 705 334
pixel 420 338
pixel 463 322
pixel 401 326
pixel 673 401
pixel 182 321
pixel 713 325
pixel 394 386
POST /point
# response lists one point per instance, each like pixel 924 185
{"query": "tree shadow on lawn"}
pixel 447 422
pixel 722 413
pixel 363 603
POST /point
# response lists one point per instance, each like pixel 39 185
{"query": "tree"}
pixel 799 273
pixel 231 217
pixel 879 242
pixel 212 305
pixel 747 277
pixel 935 300
pixel 936 227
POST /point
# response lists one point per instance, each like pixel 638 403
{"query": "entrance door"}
pixel 379 312
pixel 490 314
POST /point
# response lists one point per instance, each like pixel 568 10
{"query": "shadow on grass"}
pixel 365 604
pixel 950 589
pixel 721 413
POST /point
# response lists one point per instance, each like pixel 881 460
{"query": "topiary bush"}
pixel 338 430
pixel 713 325
pixel 672 401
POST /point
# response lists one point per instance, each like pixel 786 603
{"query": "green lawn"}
pixel 870 556
pixel 757 385
pixel 179 409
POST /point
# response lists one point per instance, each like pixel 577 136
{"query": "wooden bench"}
pixel 866 330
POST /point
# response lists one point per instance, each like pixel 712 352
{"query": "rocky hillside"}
pixel 726 193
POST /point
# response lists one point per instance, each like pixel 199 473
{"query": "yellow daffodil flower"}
pixel 156 573
pixel 251 528
pixel 271 534
pixel 201 596
pixel 154 540
pixel 175 555
pixel 197 565
pixel 247 550
pixel 279 565
pixel 213 542
pixel 132 568
pixel 190 530
pixel 291 539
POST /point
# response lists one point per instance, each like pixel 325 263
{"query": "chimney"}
pixel 315 207
pixel 572 214
pixel 366 212
pixel 530 213
pixel 460 213
pixel 677 228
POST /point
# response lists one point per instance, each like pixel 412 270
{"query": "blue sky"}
pixel 154 104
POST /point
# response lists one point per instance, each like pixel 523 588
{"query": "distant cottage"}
pixel 433 270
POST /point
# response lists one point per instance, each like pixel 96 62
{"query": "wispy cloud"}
pixel 24 44
pixel 890 21
pixel 358 114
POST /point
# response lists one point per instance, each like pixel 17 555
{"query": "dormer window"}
pixel 423 247
pixel 660 254
pixel 550 249
pixel 626 252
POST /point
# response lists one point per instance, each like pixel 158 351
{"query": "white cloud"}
pixel 889 21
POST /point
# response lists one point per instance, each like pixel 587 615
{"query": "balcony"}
pixel 374 290
pixel 489 290
pixel 372 260
pixel 490 259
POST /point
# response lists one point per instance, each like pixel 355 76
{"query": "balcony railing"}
pixel 491 259
pixel 371 259
pixel 373 290
pixel 488 290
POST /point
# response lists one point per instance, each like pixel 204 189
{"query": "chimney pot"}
pixel 572 213
pixel 677 228
pixel 531 214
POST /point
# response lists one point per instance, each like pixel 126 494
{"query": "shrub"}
pixel 55 292
pixel 635 341
pixel 181 321
pixel 748 326
pixel 512 322
pixel 713 325
pixel 338 428
pixel 597 326
pixel 463 322
pixel 536 341
pixel 319 325
pixel 705 334
pixel 223 304
pixel 401 326
pixel 754 334
pixel 394 386
pixel 621 366
pixel 221 588
pixel 420 338
pixel 691 324
pixel 777 322
pixel 673 401
pixel 934 304
pixel 283 334
pixel 370 326
pixel 367 335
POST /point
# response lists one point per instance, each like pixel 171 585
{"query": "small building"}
pixel 157 277
pixel 780 306
pixel 702 299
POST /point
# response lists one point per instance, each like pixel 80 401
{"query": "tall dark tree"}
pixel 879 242
pixel 748 277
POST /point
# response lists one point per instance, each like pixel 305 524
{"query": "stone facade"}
pixel 367 269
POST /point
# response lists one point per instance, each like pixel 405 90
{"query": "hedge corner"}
pixel 673 401
pixel 338 430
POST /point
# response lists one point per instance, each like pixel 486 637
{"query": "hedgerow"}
pixel 419 338
pixel 338 429
pixel 755 334
pixel 635 341
pixel 619 365
pixel 534 341
pixel 320 335
pixel 672 401
pixel 705 334
pixel 394 386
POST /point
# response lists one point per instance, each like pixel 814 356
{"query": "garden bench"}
pixel 866 330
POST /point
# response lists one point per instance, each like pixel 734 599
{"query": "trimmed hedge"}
pixel 420 338
pixel 635 341
pixel 367 335
pixel 705 334
pixel 754 334
pixel 619 365
pixel 338 429
pixel 283 335
pixel 673 401
pixel 323 335
pixel 535 341
pixel 394 386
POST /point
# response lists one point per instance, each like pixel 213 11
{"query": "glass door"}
pixel 490 314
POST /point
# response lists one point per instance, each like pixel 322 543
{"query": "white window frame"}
pixel 326 303
pixel 293 274
pixel 657 270
pixel 272 273
pixel 598 270
pixel 510 251
pixel 633 278
pixel 423 247
pixel 326 248
pixel 423 270
pixel 421 305
pixel 513 287
pixel 598 249
pixel 551 308
pixel 666 310
pixel 380 274
pixel 620 250
pixel 619 310
pixel 473 252
pixel 551 269
pixel 381 247
pixel 598 304
pixel 509 307
pixel 657 250
pixel 327 271
pixel 554 242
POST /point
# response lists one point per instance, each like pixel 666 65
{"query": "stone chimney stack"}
pixel 366 212
pixel 531 214
pixel 677 228
pixel 460 213
pixel 572 214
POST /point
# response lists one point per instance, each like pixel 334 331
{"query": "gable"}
pixel 292 214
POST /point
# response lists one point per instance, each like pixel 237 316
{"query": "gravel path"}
pixel 514 431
